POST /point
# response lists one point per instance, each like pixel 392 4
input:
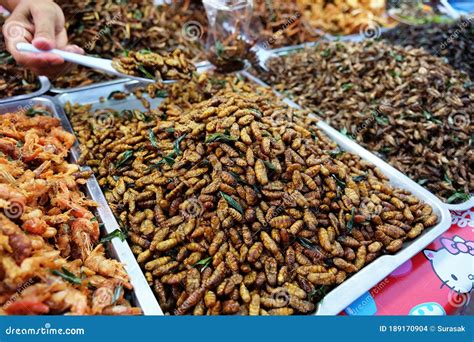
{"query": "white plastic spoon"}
pixel 102 64
pixel 263 56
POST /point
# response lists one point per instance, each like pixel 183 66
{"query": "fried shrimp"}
pixel 50 259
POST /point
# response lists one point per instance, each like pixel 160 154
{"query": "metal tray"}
pixel 199 67
pixel 142 295
pixel 291 49
pixel 45 85
pixel 55 90
pixel 86 96
pixel 343 295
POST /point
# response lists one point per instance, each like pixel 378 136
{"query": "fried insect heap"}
pixel 280 23
pixel 169 66
pixel 14 80
pixel 344 17
pixel 50 258
pixel 98 127
pixel 108 28
pixel 411 108
pixel 434 37
pixel 237 205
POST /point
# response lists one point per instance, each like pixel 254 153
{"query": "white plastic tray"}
pixel 346 293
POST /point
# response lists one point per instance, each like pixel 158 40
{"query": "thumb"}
pixel 45 34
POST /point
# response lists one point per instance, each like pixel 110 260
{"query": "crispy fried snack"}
pixel 432 38
pixel 409 107
pixel 238 204
pixel 51 261
pixel 108 28
pixel 281 23
pixel 344 16
pixel 172 66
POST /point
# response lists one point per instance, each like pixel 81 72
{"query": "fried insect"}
pixel 406 112
pixel 156 66
pixel 344 17
pixel 276 214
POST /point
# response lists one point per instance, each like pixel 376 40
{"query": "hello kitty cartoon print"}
pixel 454 263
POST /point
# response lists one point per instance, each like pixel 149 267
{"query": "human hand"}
pixel 40 22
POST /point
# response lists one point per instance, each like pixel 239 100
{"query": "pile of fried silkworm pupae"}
pixel 236 204
pixel 154 66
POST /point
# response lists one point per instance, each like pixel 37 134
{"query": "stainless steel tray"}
pixel 55 90
pixel 141 294
pixel 44 87
pixel 291 49
pixel 93 94
pixel 343 295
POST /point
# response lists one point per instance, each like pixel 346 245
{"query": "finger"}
pixel 10 45
pixel 61 39
pixel 16 29
pixel 74 49
pixel 46 60
pixel 29 59
pixel 45 29
pixel 38 60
